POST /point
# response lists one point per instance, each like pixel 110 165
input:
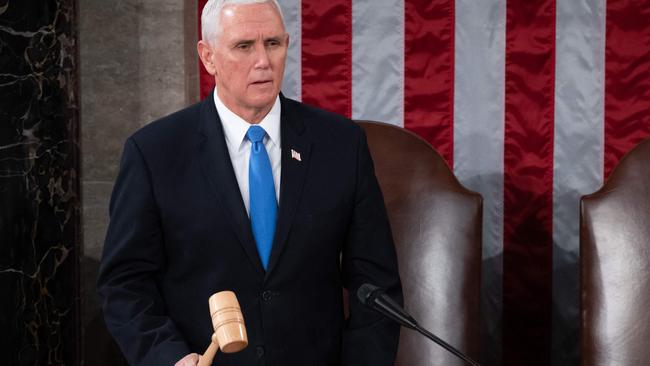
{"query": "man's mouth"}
pixel 261 82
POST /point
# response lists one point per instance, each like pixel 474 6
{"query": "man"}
pixel 251 192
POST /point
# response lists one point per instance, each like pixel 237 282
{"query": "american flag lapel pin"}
pixel 295 155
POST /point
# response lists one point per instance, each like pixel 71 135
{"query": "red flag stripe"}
pixel 429 72
pixel 528 181
pixel 327 54
pixel 627 78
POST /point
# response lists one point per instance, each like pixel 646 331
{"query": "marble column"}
pixel 137 63
pixel 39 184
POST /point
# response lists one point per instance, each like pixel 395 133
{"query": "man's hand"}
pixel 190 360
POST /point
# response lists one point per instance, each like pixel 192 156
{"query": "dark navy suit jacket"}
pixel 179 232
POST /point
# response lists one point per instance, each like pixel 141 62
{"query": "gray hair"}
pixel 211 16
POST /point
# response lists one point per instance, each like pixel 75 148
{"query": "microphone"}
pixel 376 298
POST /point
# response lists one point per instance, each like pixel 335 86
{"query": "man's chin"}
pixel 265 101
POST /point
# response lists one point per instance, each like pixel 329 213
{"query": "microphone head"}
pixel 375 298
pixel 366 293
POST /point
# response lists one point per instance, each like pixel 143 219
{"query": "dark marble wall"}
pixel 39 184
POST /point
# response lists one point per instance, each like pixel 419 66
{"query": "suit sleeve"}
pixel 133 260
pixel 369 257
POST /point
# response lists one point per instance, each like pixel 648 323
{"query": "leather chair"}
pixel 436 225
pixel 615 265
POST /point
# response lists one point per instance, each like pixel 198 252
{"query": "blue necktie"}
pixel 263 206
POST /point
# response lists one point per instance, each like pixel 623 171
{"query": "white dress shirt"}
pixel 239 147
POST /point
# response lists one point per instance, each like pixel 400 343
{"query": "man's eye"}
pixel 243 46
pixel 272 43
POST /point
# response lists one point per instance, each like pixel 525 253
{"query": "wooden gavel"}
pixel 229 328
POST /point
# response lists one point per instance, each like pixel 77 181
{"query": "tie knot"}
pixel 255 134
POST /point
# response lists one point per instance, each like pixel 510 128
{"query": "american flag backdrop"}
pixel 532 102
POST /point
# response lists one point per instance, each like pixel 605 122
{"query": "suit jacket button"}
pixel 267 295
pixel 260 351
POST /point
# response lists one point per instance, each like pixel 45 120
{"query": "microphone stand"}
pixel 444 345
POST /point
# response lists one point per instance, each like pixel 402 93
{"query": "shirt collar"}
pixel 235 127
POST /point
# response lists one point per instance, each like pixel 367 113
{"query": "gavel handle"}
pixel 208 355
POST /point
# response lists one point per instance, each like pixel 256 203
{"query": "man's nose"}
pixel 261 57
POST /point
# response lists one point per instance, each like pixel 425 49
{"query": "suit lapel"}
pixel 216 164
pixel 295 160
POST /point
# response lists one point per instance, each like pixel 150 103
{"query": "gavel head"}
pixel 228 322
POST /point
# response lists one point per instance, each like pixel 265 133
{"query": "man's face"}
pixel 249 57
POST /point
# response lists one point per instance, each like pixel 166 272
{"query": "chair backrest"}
pixel 615 265
pixel 436 225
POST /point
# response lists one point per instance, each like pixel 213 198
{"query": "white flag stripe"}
pixel 578 154
pixel 478 143
pixel 479 106
pixel 378 60
pixel 292 82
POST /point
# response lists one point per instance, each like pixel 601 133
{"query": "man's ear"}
pixel 206 54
